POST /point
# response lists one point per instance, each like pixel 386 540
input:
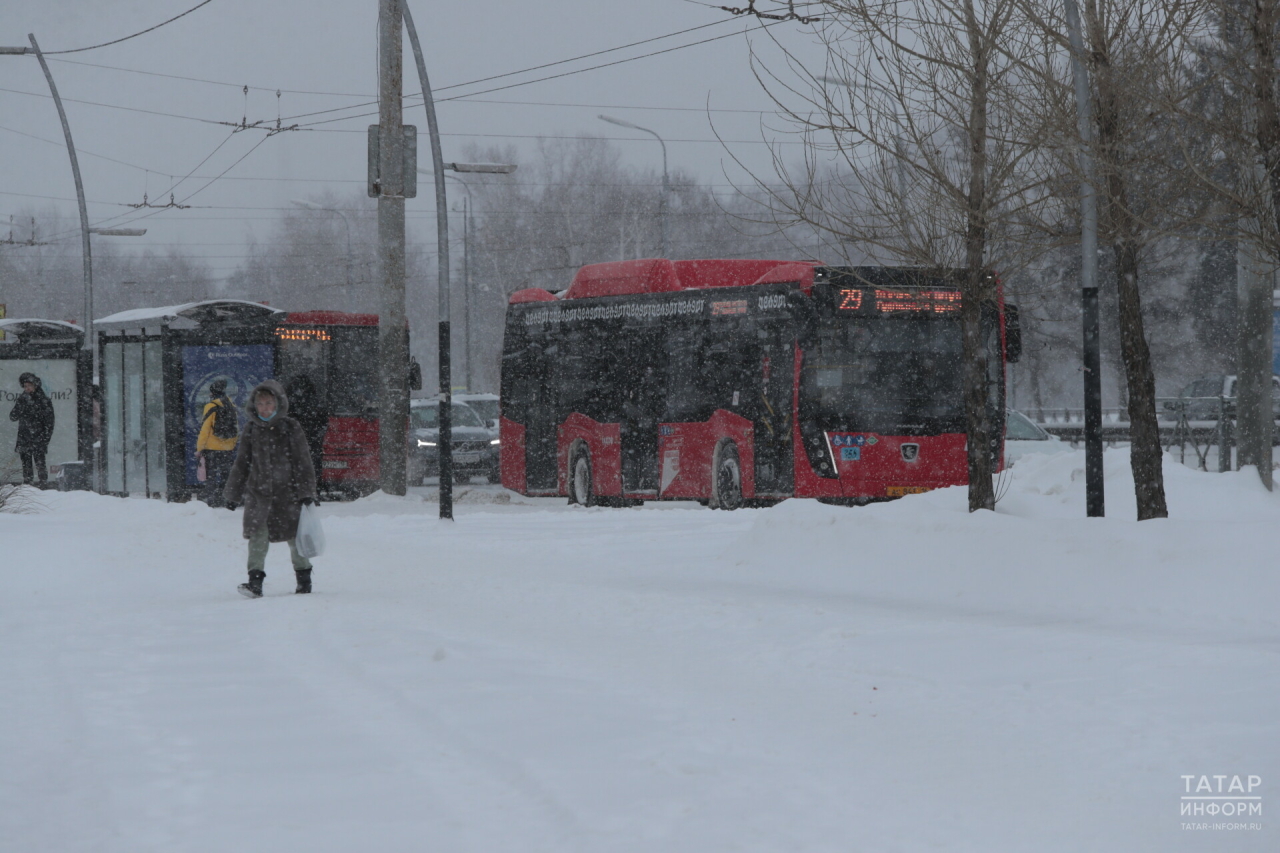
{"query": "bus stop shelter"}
pixel 155 369
pixel 52 350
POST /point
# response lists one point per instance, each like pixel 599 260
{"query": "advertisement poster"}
pixel 58 378
pixel 244 367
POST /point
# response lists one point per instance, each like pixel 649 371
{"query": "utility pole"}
pixel 393 349
pixel 1095 505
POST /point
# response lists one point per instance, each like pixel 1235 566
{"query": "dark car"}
pixel 476 450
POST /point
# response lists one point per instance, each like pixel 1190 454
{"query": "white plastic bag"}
pixel 310 539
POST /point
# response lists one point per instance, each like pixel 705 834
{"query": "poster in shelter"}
pixel 243 367
pixel 58 378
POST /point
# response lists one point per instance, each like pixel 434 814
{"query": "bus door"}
pixel 643 370
pixel 542 418
pixel 774 382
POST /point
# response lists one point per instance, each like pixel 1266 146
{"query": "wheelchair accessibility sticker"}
pixel 850 444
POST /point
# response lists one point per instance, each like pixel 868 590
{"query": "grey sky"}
pixel 328 46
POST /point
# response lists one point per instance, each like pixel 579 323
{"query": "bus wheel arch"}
pixel 726 477
pixel 579 476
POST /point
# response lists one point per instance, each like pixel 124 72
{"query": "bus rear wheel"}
pixel 580 491
pixel 726 481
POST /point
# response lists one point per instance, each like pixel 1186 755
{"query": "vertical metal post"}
pixel 466 286
pixel 393 350
pixel 84 402
pixel 1095 505
pixel 445 444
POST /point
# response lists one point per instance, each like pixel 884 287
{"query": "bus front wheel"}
pixel 580 479
pixel 726 478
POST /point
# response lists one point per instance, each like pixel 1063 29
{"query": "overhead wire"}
pixel 523 82
pixel 126 38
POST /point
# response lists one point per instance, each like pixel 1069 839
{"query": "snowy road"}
pixel 535 677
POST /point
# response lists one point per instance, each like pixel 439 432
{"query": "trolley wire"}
pixel 126 38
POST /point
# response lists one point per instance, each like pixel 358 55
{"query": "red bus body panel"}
pixel 686 452
pixel 355 442
pixel 511 456
pixel 604 443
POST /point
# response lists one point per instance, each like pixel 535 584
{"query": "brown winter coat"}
pixel 272 473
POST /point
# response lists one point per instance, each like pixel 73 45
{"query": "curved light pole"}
pixel 311 205
pixel 662 200
pixel 484 168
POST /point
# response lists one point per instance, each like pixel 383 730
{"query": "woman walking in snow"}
pixel 272 477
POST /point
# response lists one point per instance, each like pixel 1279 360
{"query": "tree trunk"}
pixel 1146 455
pixel 978 285
pixel 1253 366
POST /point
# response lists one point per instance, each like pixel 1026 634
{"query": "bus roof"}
pixel 658 275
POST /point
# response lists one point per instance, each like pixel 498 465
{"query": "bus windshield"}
pixel 888 374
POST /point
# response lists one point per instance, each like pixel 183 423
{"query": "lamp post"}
pixel 482 168
pixel 662 200
pixel 1094 494
pixel 311 205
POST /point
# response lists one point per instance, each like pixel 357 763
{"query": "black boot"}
pixel 304 580
pixel 253 589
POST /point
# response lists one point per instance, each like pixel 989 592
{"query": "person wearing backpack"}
pixel 216 446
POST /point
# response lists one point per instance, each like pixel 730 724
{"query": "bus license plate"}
pixel 333 463
pixel 899 491
pixel 466 457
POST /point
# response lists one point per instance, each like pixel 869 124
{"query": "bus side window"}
pixel 732 357
pixel 685 386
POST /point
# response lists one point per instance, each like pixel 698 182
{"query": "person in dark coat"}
pixel 308 406
pixel 34 414
pixel 272 478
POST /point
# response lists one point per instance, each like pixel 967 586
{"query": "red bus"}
pixel 338 353
pixel 741 382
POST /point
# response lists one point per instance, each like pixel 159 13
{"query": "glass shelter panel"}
pixel 154 400
pixel 135 456
pixel 113 415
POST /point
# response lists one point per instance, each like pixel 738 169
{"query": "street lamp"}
pixel 662 200
pixel 482 168
pixel 311 205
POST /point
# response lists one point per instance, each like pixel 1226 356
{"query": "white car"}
pixel 485 405
pixel 1023 436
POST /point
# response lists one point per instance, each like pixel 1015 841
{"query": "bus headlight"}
pixel 496 441
pixel 422 443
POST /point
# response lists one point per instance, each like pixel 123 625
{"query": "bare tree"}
pixel 924 148
pixel 1237 107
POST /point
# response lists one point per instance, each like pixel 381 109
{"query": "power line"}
pixel 214 82
pixel 365 94
pixel 524 82
pixel 134 36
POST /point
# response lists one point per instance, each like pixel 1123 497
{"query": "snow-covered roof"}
pixel 191 313
pixel 28 329
pixel 15 321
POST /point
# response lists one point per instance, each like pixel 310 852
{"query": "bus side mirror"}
pixel 1012 334
pixel 415 375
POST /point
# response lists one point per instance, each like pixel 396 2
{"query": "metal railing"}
pixel 1196 423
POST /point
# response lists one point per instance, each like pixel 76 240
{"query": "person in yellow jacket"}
pixel 216 445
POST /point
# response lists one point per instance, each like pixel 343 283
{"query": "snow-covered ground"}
pixel 535 677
